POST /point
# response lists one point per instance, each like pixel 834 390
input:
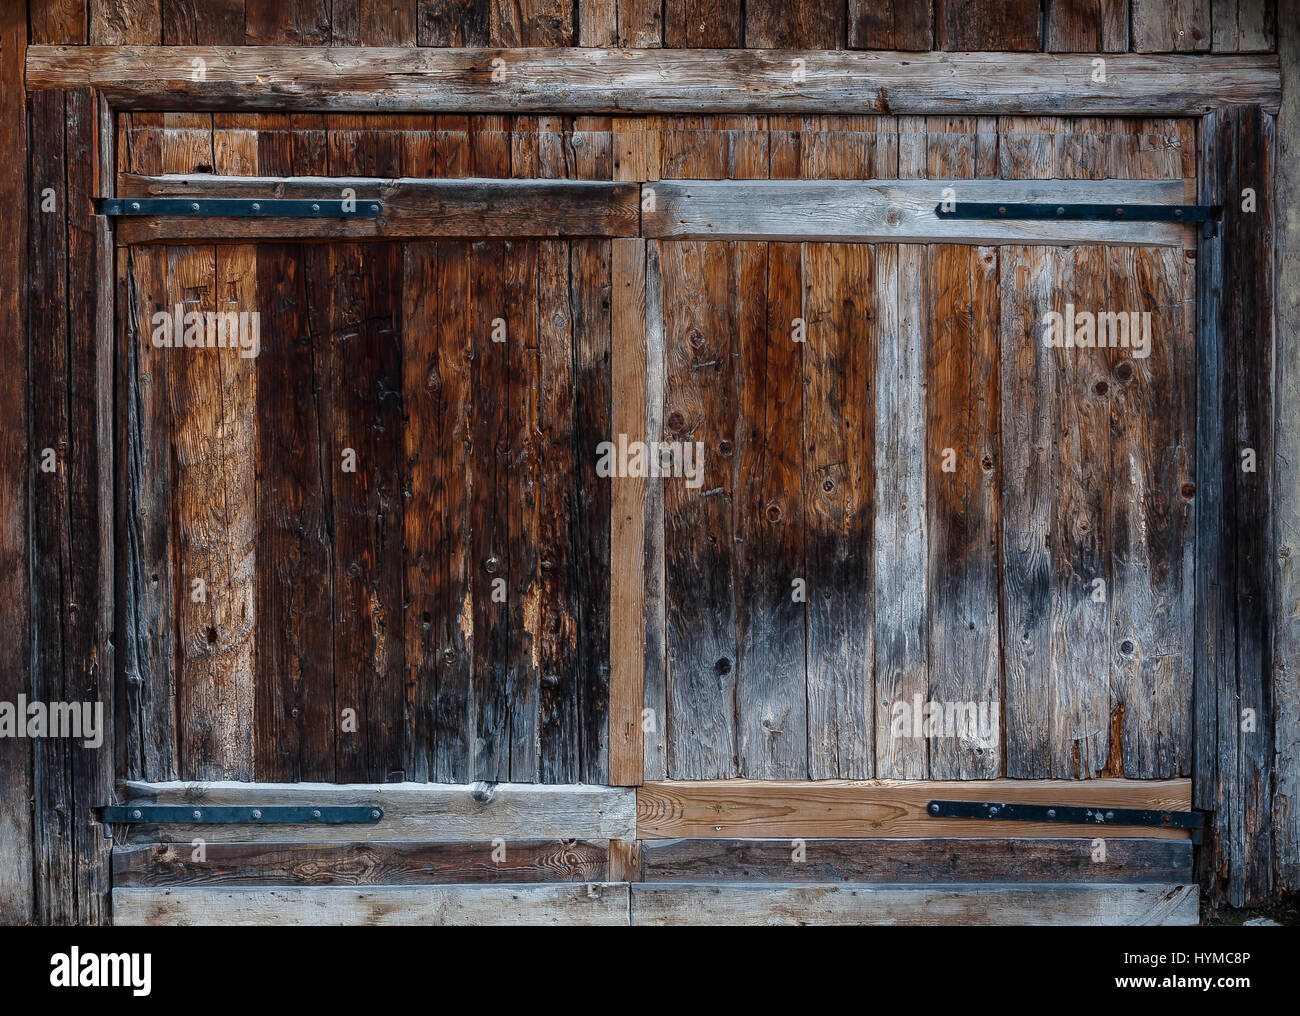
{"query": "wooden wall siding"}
pixel 377 608
pixel 1112 26
pixel 995 505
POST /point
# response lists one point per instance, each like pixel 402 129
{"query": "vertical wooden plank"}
pixel 590 298
pixel 1286 606
pixel 962 410
pixel 287 23
pixel 794 24
pixel 386 23
pixel 841 309
pixel 57 22
pixel 699 408
pixel 523 525
pixel 296 722
pixel 46 769
pixel 627 606
pixel 203 22
pixel 123 22
pixel 891 24
pixel 1243 26
pixel 365 409
pixel 561 584
pixel 597 22
pixel 972 25
pixel 640 23
pixel 531 23
pixel 656 620
pixel 452 22
pixel 708 24
pixel 1171 26
pixel 1086 26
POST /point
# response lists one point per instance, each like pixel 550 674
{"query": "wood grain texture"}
pixel 286 23
pixel 711 23
pixel 121 22
pixel 1245 26
pixel 794 24
pixel 411 208
pixel 1168 26
pixel 973 25
pixel 1112 860
pixel 203 22
pixel 464 905
pixel 1086 26
pixel 640 23
pixel 836 808
pixel 888 211
pixel 358 864
pixel 981 905
pixel 593 81
pixel 412 811
pixel 891 24
pixel 656 720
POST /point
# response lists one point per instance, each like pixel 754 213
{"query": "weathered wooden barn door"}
pixel 925 544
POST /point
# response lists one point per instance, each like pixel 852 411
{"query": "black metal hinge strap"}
pixel 1062 212
pixel 296 208
pixel 1193 821
pixel 190 814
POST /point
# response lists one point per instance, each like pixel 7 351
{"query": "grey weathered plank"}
pixel 425 811
pixel 655 709
pixel 895 211
pixel 1166 26
pixel 931 859
pixel 881 904
pixel 411 208
pixel 590 81
pixel 594 903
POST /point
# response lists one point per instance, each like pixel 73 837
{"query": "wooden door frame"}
pixel 93 84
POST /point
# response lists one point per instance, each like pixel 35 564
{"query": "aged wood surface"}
pixel 1108 859
pixel 893 24
pixel 593 903
pixel 874 211
pixel 962 25
pixel 841 904
pixel 412 811
pixel 588 81
pixel 411 208
pixel 836 808
pixel 380 863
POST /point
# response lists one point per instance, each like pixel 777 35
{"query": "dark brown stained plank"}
pixel 89 650
pixel 833 147
pixel 1086 26
pixel 979 25
pixel 1168 26
pixel 1080 531
pixel 362 152
pixel 918 860
pixel 59 22
pixel 516 23
pixel 118 22
pixel 523 591
pixel 286 23
pixel 364 365
pixel 890 24
pixel 411 208
pixel 655 717
pixel 1235 653
pixel 588 82
pixel 714 147
pixel 794 24
pixel 296 722
pixel 842 293
pixel 1028 440
pixel 712 24
pixel 1152 472
pixel 1244 26
pixel 770 583
pixel 640 23
pixel 978 905
pixel 381 23
pixel 46 769
pixel 590 299
pixel 148 643
pixel 597 23
pixel 203 22
pixel 962 486
pixel 560 585
pixel 489 146
pixel 452 22
pixel 395 863
pixel 489 565
pixel 440 151
pixel 700 411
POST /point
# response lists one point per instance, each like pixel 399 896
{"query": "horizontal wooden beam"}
pixel 412 811
pixel 378 863
pixel 903 211
pixel 411 208
pixel 1114 860
pixel 731 905
pixel 472 905
pixel 887 808
pixel 563 80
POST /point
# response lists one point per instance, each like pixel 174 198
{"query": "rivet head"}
pixel 374 813
pixel 1060 211
pixel 136 813
pixel 135 206
pixel 934 809
pixel 197 813
pixel 1109 815
pixel 194 206
pixel 257 813
pixel 315 207
pixel 257 207
pixel 1051 813
pixel 315 813
pixel 375 209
